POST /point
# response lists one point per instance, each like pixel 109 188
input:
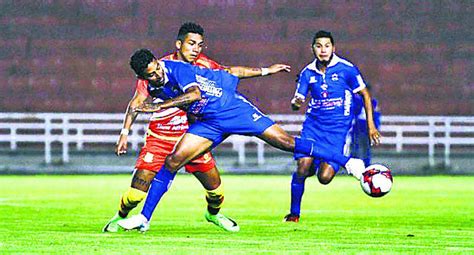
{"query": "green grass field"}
pixel 65 214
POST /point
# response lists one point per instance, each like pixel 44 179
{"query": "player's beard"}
pixel 326 62
pixel 157 83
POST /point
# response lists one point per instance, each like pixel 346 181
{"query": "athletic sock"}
pixel 158 188
pixel 129 200
pixel 214 199
pixel 297 190
pixel 309 147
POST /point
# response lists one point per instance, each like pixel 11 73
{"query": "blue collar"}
pixel 335 59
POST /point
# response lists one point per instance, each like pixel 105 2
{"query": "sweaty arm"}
pixel 374 134
pixel 191 95
pixel 129 118
pixel 249 72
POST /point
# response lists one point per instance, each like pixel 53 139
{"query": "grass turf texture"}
pixel 65 214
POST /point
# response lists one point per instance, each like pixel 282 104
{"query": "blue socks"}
pixel 297 190
pixel 158 188
pixel 309 147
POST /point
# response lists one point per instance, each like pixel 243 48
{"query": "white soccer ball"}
pixel 377 180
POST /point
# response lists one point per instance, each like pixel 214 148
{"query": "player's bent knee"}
pixel 303 172
pixel 326 173
pixel 172 163
pixel 131 198
pixel 325 178
pixel 304 168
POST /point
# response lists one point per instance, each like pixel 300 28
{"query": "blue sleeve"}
pixel 355 80
pixel 184 74
pixel 302 85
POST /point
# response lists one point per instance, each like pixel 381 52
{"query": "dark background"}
pixel 72 56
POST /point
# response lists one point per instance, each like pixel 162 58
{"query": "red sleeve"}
pixel 142 87
pixel 205 61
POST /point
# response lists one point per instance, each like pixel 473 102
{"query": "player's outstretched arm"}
pixel 129 118
pixel 249 72
pixel 374 134
pixel 191 95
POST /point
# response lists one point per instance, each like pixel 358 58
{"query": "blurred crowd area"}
pixel 72 56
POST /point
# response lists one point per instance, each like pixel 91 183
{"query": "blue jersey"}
pixel 218 87
pixel 331 105
pixel 223 111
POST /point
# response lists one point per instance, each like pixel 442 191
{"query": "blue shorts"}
pixel 242 119
pixel 331 139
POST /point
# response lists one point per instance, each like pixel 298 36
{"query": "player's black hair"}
pixel 140 59
pixel 189 27
pixel 323 34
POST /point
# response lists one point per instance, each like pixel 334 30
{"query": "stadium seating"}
pixel 78 50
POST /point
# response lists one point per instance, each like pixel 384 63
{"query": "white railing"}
pixel 430 131
pixel 82 128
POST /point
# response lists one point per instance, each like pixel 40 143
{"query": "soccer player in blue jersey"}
pixel 360 145
pixel 332 82
pixel 212 96
pixel 164 130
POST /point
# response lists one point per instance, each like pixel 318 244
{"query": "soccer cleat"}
pixel 138 222
pixel 223 222
pixel 112 225
pixel 291 218
pixel 356 167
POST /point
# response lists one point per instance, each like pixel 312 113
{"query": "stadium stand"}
pixel 413 57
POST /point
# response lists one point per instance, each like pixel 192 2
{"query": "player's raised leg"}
pixel 131 198
pixel 278 138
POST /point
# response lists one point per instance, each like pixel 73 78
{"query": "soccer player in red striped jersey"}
pixel 164 130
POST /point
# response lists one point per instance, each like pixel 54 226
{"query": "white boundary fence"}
pixel 77 129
